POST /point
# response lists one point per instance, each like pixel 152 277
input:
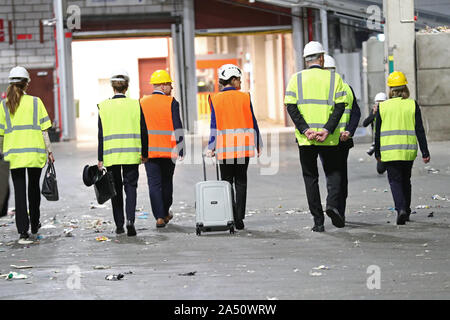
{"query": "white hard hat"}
pixel 311 48
pixel 120 75
pixel 380 96
pixel 229 70
pixel 17 74
pixel 329 62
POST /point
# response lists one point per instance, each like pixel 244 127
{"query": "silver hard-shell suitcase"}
pixel 213 205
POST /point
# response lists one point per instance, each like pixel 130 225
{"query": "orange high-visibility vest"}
pixel 157 109
pixel 234 123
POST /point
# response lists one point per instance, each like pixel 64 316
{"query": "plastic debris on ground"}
pixel 142 215
pixel 114 277
pixel 438 197
pixel 322 267
pixel 20 267
pixel 431 215
pixel 423 206
pixel 48 226
pixel 315 274
pixel 101 267
pixel 93 205
pixel 13 276
pixel 24 241
pixel 102 239
pixel 68 232
pixel 188 274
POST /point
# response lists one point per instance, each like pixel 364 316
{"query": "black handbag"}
pixel 50 185
pixel 104 187
pixel 4 186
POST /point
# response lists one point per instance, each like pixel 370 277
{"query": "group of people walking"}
pixel 326 115
pixel 322 106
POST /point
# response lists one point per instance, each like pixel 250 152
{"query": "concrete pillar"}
pixel 400 38
pixel 190 83
pixel 259 86
pixel 324 22
pixel 297 36
pixel 65 75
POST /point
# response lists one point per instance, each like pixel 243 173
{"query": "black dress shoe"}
pixel 35 230
pixel 336 218
pixel 120 230
pixel 131 231
pixel 24 235
pixel 402 217
pixel 239 225
pixel 318 228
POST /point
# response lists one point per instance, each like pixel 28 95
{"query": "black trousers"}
pixel 344 149
pixel 130 175
pixel 160 185
pixel 308 161
pixel 20 197
pixel 399 176
pixel 235 172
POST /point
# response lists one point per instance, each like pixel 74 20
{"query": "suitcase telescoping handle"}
pixel 204 167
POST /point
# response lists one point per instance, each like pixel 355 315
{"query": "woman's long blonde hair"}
pixel 14 93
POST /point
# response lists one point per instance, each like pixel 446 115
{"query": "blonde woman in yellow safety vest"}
pixel 25 144
pixel 398 130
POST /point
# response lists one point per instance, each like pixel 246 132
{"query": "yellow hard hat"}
pixel 160 76
pixel 396 79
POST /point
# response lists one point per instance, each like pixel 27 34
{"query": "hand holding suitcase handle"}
pixel 204 167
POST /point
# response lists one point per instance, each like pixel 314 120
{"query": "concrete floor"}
pixel 275 257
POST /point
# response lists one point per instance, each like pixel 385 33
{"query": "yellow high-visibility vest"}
pixel 398 140
pixel 314 92
pixel 24 145
pixel 121 124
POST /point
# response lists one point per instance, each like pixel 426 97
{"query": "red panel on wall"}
pixel 234 14
pixel 2 31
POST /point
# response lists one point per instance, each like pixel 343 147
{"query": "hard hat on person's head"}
pixel 312 48
pixel 229 70
pixel 329 62
pixel 396 79
pixel 160 76
pixel 120 75
pixel 18 74
pixel 380 96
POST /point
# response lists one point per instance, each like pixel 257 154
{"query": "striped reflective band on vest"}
pixel 161 132
pixel 121 136
pixel 399 147
pixel 161 149
pixel 35 126
pixel 25 150
pixel 120 150
pixel 398 133
pixel 340 94
pixel 300 100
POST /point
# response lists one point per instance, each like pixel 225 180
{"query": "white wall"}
pixel 94 61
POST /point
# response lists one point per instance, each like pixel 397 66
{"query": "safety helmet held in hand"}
pixel 229 70
pixel 380 96
pixel 120 75
pixel 17 74
pixel 91 175
pixel 329 62
pixel 396 79
pixel 160 76
pixel 312 48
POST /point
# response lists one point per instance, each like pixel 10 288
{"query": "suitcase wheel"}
pixel 198 231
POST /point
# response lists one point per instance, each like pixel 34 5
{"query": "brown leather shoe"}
pixel 168 217
pixel 160 223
